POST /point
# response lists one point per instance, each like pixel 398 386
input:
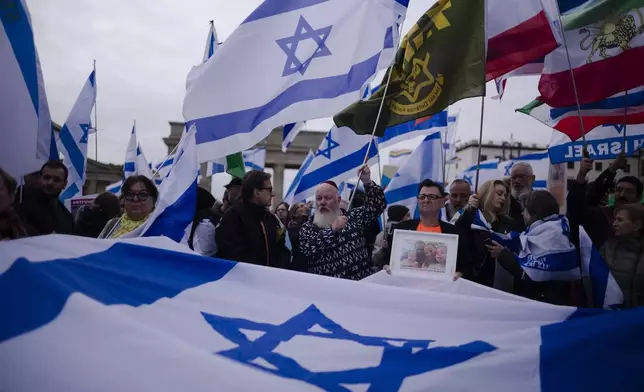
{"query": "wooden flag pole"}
pixel 478 161
pixel 625 119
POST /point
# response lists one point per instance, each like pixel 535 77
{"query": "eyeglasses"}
pixel 428 197
pixel 519 177
pixel 270 189
pixel 141 196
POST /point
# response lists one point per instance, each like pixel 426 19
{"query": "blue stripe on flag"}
pixel 299 174
pixel 129 167
pixel 402 193
pixel 112 277
pixel 540 184
pixel 253 166
pixel 276 7
pixel 73 152
pixel 437 120
pixel 53 148
pixel 245 121
pixel 171 222
pixel 389 38
pixel 537 156
pixel 484 166
pixel 339 166
pixel 92 78
pixel 70 192
pixel 633 100
pixel 16 26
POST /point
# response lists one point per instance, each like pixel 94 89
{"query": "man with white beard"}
pixel 521 180
pixel 332 242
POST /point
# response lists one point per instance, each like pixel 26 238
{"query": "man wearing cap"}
pixel 332 241
pixel 232 193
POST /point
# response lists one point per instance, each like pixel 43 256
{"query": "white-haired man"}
pixel 521 180
pixel 333 242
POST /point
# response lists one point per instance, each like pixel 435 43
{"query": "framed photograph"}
pixel 419 253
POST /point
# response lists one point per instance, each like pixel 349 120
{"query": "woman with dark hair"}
pixel 140 195
pixel 541 210
pixel 11 225
pixel 92 219
pixel 282 212
pixel 201 236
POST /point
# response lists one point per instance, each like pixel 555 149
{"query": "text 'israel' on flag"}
pixel 73 139
pixel 289 132
pixel 338 158
pixel 545 253
pixel 290 193
pixel 25 122
pixel 411 129
pixel 538 161
pixel 430 72
pixel 605 142
pixel 426 162
pixel 255 159
pixel 488 170
pixel 298 60
pixel 135 161
pixel 617 109
pixel 605 57
pixel 140 305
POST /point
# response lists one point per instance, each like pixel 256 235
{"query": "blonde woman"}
pixel 494 204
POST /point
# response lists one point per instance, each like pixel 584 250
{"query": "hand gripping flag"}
pixel 289 61
pixel 73 139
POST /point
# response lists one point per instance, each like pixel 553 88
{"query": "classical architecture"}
pixel 275 158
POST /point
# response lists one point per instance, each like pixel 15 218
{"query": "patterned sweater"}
pixel 343 254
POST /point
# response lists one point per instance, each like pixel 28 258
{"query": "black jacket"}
pixel 251 234
pixel 516 213
pixel 90 222
pixel 44 216
pixel 462 259
pixel 483 266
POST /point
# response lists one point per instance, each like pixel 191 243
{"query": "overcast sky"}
pixel 145 48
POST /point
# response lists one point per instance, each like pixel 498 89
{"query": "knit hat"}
pixel 397 213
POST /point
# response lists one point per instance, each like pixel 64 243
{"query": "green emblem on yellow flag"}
pixel 440 61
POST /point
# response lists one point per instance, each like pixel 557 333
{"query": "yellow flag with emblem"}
pixel 441 60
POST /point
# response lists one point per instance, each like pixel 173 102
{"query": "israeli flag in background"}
pixel 290 193
pixel 81 314
pixel 411 129
pixel 338 159
pixel 135 162
pixel 540 163
pixel 289 61
pixel 114 187
pixel 162 170
pixel 424 163
pixel 255 159
pixel 25 122
pixel 212 43
pixel 289 133
pixel 488 171
pixel 73 139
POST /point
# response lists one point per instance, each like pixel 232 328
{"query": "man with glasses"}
pixel 333 241
pixel 248 231
pixel 431 198
pixel 459 193
pixel 584 205
pixel 40 206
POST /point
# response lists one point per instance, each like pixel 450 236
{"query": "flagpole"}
pixel 156 171
pixel 96 121
pixel 478 159
pixel 574 83
pixel 625 118
pixel 443 151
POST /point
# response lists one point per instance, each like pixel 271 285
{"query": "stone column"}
pixel 206 182
pixel 278 183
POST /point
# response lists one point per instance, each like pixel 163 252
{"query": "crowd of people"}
pixel 334 238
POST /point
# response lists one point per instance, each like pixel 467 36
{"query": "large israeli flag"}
pixel 25 123
pixel 290 194
pixel 411 129
pixel 338 159
pixel 255 159
pixel 289 61
pixel 73 138
pixel 540 163
pixel 135 161
pixel 82 314
pixel 426 162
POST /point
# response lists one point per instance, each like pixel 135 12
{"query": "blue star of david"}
pixel 468 179
pixel 330 146
pixel 508 167
pixel 289 45
pixel 409 357
pixel 85 128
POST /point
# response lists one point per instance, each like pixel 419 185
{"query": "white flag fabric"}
pixel 449 139
pixel 540 163
pixel 135 162
pixel 114 187
pixel 162 169
pixel 255 159
pixel 289 133
pixel 424 163
pixel 73 138
pixel 25 123
pixel 212 43
pixel 290 193
pixel 289 61
pixel 487 171
pixel 411 129
pixel 82 314
pixel 338 159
